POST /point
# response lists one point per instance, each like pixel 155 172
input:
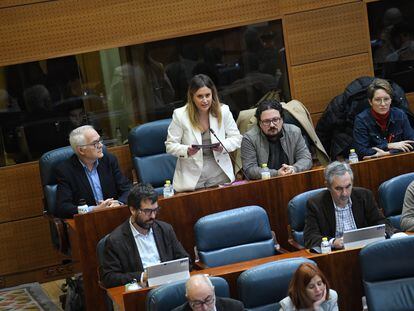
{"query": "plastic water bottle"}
pixel 265 171
pixel 168 189
pixel 118 134
pixel 82 207
pixel 353 157
pixel 325 247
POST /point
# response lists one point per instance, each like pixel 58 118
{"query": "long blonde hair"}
pixel 197 82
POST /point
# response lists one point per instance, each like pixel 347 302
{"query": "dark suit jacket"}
pixel 222 304
pixel 122 262
pixel 320 219
pixel 73 184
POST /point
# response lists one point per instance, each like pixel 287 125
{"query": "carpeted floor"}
pixel 25 297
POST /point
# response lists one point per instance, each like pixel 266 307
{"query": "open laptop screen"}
pixel 168 271
pixel 363 236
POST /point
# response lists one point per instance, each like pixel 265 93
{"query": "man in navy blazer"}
pixel 90 175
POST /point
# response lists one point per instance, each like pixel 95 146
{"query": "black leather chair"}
pixel 234 235
pixel 149 158
pixel 391 197
pixel 262 287
pixel 388 274
pixel 297 216
pixel 47 165
pixel 169 296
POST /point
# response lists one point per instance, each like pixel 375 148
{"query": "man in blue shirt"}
pixel 90 174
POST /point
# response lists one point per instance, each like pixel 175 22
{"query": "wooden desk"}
pixel 183 210
pixel 341 269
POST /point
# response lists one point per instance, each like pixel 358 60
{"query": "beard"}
pixel 144 224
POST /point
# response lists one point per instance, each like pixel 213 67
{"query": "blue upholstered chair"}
pixel 149 158
pixel 262 287
pixel 234 235
pixel 168 296
pixel 100 248
pixel 391 197
pixel 297 216
pixel 47 165
pixel 388 274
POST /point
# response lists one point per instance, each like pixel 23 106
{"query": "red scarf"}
pixel 382 119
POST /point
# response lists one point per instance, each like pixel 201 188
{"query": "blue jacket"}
pixel 368 134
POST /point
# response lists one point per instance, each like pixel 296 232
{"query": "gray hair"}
pixel 337 168
pixel 198 279
pixel 77 136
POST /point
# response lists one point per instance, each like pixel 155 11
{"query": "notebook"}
pixel 363 236
pixel 168 271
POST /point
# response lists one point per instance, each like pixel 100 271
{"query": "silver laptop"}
pixel 363 236
pixel 169 271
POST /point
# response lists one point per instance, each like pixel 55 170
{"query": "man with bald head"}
pixel 90 175
pixel 200 295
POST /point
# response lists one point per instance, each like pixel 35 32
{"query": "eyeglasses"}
pixel 96 143
pixel 275 121
pixel 149 211
pixel 199 303
pixel 379 101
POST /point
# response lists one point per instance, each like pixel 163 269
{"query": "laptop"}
pixel 363 236
pixel 168 271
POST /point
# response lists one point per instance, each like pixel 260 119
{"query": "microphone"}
pixel 230 155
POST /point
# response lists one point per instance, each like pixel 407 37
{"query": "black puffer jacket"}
pixel 335 127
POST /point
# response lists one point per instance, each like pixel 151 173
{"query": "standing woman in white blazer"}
pixel 201 168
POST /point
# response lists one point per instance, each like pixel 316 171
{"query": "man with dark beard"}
pixel 139 242
pixel 280 146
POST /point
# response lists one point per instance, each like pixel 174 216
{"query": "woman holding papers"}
pixel 200 135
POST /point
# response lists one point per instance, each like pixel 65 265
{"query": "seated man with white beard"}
pixel 139 242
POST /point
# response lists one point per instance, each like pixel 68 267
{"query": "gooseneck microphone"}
pixel 230 155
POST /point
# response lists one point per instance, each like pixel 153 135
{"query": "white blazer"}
pixel 181 135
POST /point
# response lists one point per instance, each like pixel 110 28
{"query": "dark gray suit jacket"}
pixel 320 219
pixel 122 261
pixel 222 304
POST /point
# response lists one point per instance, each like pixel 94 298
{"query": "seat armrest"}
pixel 58 226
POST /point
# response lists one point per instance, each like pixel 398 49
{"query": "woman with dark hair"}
pixel 202 160
pixel 382 130
pixel 309 290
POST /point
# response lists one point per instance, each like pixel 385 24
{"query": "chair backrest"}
pixel 297 214
pixel 388 274
pixel 149 158
pixel 391 197
pixel 234 235
pixel 47 165
pixel 169 296
pixel 100 248
pixel 262 287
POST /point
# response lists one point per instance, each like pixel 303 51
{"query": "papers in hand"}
pixel 206 146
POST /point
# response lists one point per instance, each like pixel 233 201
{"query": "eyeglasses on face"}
pixel 149 211
pixel 209 300
pixel 275 121
pixel 380 100
pixel 96 143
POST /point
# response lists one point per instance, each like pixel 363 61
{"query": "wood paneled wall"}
pixel 326 48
